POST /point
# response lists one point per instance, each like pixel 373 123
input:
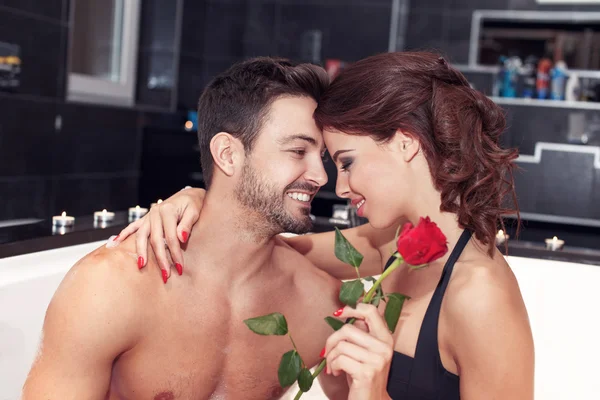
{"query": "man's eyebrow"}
pixel 301 136
pixel 337 153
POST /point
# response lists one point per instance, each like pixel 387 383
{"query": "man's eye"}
pixel 299 152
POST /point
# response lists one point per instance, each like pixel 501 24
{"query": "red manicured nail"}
pixel 179 268
pixel 140 262
pixel 165 275
pixel 116 238
pixel 338 312
pixel 184 234
pixel 322 353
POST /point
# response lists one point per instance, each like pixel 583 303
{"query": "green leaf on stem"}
pixel 334 323
pixel 393 309
pixel 345 252
pixel 271 324
pixel 378 292
pixel 351 292
pixel 289 368
pixel 305 380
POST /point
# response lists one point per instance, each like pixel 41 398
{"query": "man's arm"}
pixel 89 322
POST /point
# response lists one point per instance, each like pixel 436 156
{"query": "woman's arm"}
pixel 491 338
pixel 373 244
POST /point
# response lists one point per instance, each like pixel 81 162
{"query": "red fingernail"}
pixel 116 238
pixel 165 276
pixel 179 268
pixel 322 353
pixel 338 312
pixel 184 234
pixel 140 262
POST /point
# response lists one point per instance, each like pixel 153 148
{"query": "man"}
pixel 111 334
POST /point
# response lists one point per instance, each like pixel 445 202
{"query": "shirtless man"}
pixel 110 333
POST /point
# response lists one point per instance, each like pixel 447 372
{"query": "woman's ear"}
pixel 406 145
pixel 225 151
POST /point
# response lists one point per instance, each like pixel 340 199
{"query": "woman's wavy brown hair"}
pixel 458 128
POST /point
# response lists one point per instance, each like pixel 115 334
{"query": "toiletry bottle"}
pixel 511 77
pixel 542 83
pixel 499 78
pixel 528 76
pixel 573 90
pixel 558 75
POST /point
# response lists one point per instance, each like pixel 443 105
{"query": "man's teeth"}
pixel 299 196
pixel 360 203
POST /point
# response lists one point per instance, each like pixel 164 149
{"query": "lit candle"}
pixel 104 216
pixel 554 244
pixel 501 237
pixel 63 220
pixel 158 202
pixel 137 212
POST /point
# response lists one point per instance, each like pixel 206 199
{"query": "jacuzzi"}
pixel 563 301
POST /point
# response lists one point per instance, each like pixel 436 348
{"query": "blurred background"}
pixel 98 97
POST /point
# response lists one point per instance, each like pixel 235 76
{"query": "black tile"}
pixel 457 51
pixel 24 198
pixel 85 195
pixel 348 32
pixel 473 5
pixel 193 27
pixel 191 82
pixel 157 25
pixel 224 29
pixel 259 37
pixel 425 31
pixel 27 136
pixel 52 9
pixel 96 140
pixel 457 26
pixel 430 5
pixel 42 52
pixel 155 78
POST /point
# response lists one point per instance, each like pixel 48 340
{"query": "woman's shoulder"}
pixel 483 289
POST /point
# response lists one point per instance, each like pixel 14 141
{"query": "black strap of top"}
pixel 427 362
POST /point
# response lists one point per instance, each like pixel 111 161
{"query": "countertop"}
pixel 38 235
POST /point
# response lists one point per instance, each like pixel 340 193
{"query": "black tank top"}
pixel 424 377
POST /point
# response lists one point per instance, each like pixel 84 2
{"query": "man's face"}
pixel 284 169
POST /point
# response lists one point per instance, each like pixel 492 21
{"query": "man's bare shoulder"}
pixel 303 269
pixel 104 285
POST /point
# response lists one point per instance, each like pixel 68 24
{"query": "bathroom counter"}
pixel 37 236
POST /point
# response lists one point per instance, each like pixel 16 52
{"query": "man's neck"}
pixel 228 237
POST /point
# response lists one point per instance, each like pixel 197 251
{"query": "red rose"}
pixel 421 244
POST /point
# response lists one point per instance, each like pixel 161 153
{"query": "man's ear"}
pixel 225 151
pixel 406 145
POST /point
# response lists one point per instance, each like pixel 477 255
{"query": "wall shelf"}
pixel 577 105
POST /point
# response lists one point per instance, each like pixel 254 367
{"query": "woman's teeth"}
pixel 359 205
pixel 299 196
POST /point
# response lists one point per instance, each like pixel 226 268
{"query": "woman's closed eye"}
pixel 345 164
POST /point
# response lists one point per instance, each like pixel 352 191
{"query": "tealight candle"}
pixel 501 237
pixel 104 216
pixel 63 220
pixel 158 202
pixel 61 230
pixel 137 212
pixel 554 244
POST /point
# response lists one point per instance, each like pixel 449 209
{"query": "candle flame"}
pixel 64 214
pixel 159 201
pixel 137 207
pixel 555 238
pixel 104 211
pixel 500 233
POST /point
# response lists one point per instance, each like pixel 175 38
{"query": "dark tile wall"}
pixel 55 155
pixel 217 33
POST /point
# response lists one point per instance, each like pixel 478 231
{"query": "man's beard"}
pixel 267 202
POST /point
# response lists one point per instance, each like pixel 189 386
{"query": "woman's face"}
pixel 374 176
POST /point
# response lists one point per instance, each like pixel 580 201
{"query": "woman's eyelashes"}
pixel 345 163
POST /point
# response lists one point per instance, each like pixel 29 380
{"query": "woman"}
pixel 410 138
